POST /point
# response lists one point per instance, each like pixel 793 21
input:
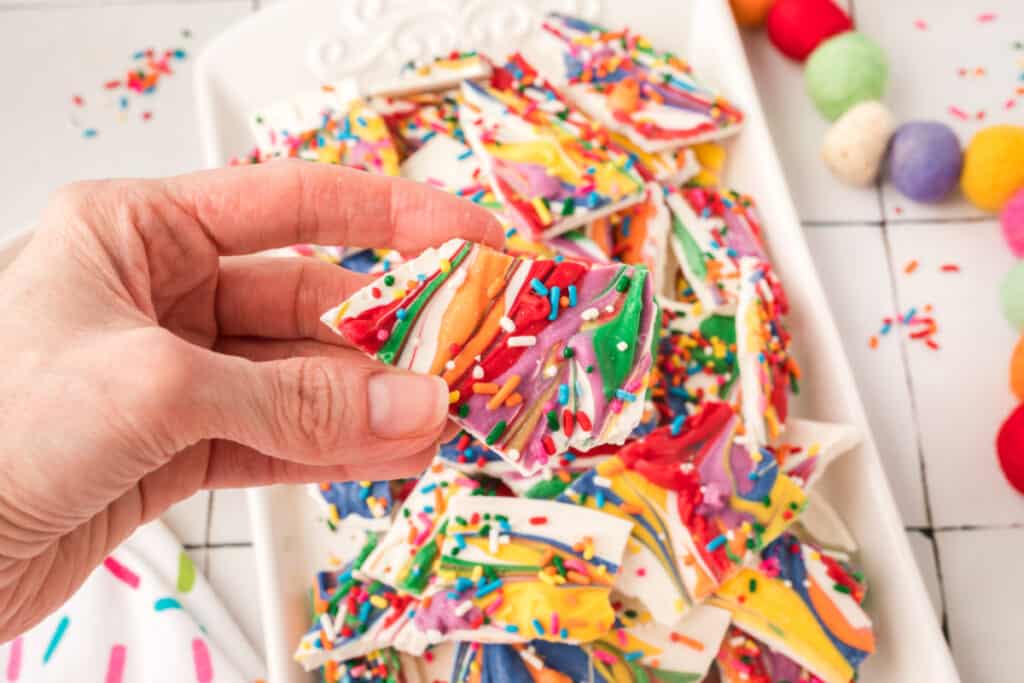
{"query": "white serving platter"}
pixel 298 44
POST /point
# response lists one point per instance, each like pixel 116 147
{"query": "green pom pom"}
pixel 843 71
pixel 1011 291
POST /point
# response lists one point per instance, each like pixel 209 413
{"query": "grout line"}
pixel 899 222
pixel 948 528
pixel 44 5
pixel 218 546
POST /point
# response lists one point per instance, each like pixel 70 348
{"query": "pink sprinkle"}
pixel 987 17
pixel 554 622
pixel 921 24
pixel 494 606
pixel 959 113
pixel 576 565
pixel 121 572
pixel 14 660
pixel 620 633
pixel 467 483
pixel 1010 103
pixel 115 667
pixel 604 656
pixel 641 572
pixel 980 115
pixel 201 658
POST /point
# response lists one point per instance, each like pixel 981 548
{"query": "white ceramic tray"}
pixel 298 44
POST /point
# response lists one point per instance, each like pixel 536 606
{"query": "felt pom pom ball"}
pixel 925 160
pixel 1012 220
pixel 750 13
pixel 797 27
pixel 1010 448
pixel 843 71
pixel 1017 370
pixel 855 144
pixel 994 166
pixel 1011 292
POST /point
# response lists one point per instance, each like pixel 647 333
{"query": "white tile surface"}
pixel 923 548
pixel 229 518
pixel 51 54
pixel 188 518
pixel 984 593
pixel 798 130
pixel 924 80
pixel 852 263
pixel 232 573
pixel 961 390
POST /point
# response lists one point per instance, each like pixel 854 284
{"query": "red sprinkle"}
pixel 112 85
pixel 583 420
pixel 538 520
pixel 568 424
pixel 987 17
pixel 959 113
pixel 950 268
pixel 921 24
pixel 932 344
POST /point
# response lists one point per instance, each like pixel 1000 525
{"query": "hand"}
pixel 144 357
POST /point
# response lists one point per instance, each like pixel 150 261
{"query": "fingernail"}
pixel 404 405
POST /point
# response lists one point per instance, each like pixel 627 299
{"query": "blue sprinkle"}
pixel 593 200
pixel 572 295
pixel 460 541
pixel 362 121
pixel 123 102
pixel 569 457
pixel 627 222
pixel 629 162
pixel 599 498
pixel 400 314
pixel 538 287
pixel 538 627
pixel 564 633
pixel 677 424
pixel 716 543
pixel 510 232
pixel 563 394
pixel 633 656
pixel 364 610
pixel 558 258
pixel 421 277
pixel 429 487
pixel 731 253
pixel 429 509
pixel 624 395
pixel 465 155
pixel 554 294
pixel 90 133
pixel 511 628
pixel 429 135
pixel 462 583
pixel 489 588
pixel 478 195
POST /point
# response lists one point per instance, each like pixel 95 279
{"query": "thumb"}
pixel 333 409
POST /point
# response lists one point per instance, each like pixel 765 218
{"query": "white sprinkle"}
pixel 590 314
pixel 450 365
pixel 807 584
pixel 686 467
pixel 789 584
pixel 463 607
pixel 504 539
pixel 477 358
pixel 478 372
pixel 730 534
pixel 512 454
pixel 622 346
pixel 609 309
pixel 526 340
pixel 532 659
pixel 550 371
pixel 506 324
pixel 603 481
pixel 662 536
pixel 737 641
pixel 325 622
pixel 492 540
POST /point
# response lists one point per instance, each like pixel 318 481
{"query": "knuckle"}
pixel 314 402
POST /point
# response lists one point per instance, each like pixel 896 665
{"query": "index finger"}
pixel 245 209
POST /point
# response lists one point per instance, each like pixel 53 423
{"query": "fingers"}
pixel 322 405
pixel 233 465
pixel 281 298
pixel 244 209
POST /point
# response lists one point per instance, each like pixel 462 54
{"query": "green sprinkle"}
pixel 622 284
pixel 840 588
pixel 496 433
pixel 553 420
pixel 753 585
pixel 464 410
pixel 567 352
pixel 389 280
pixel 568 206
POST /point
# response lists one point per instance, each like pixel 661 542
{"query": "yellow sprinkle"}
pixel 453 396
pixel 342 309
pixel 333 512
pixel 446 575
pixel 813 449
pixel 378 602
pixel 365 483
pixel 756 456
pixel 542 211
pixel 399 294
pixel 478 571
pixel 446 265
pixel 680 605
pixel 546 578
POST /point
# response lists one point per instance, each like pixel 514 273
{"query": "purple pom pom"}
pixel 925 160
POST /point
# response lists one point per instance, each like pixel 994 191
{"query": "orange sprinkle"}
pixel 910 267
pixel 506 390
pixel 514 400
pixel 546 557
pixel 576 577
pixel 873 342
pixel 487 388
pixel 631 508
pixel 687 641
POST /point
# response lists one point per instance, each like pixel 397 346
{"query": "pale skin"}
pixel 147 354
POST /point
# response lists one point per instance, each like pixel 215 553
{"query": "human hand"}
pixel 145 357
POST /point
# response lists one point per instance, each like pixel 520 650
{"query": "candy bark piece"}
pixel 652 97
pixel 535 569
pixel 450 165
pixel 743 659
pixel 438 74
pixel 767 370
pixel 547 163
pixel 352 618
pixel 414 120
pixel 379 666
pixel 804 603
pixel 528 378
pixel 712 230
pixel 699 503
pixel 824 526
pixel 363 504
pixel 806 448
pixel 331 126
pixel 406 557
pixel 538 661
pixel 640 649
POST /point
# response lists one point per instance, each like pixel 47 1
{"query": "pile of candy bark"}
pixel 625 500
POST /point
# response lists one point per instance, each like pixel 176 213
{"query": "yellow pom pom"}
pixel 994 166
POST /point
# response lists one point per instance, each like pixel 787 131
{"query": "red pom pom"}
pixel 796 27
pixel 1010 447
